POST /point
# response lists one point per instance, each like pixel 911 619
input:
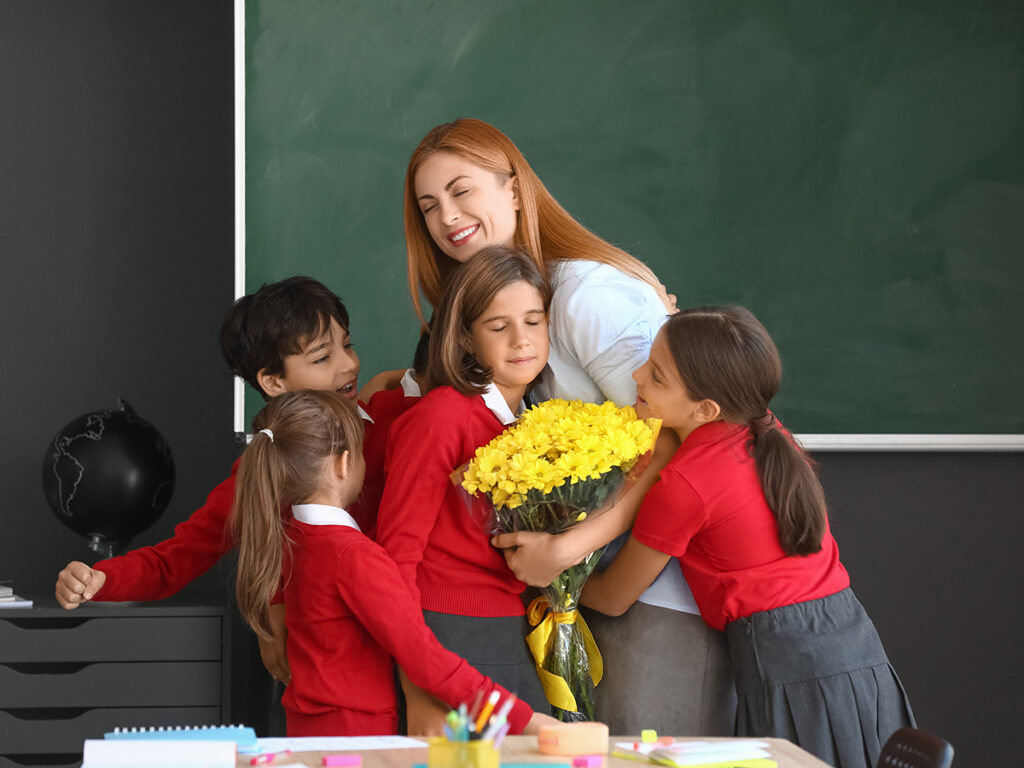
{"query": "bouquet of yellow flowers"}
pixel 559 463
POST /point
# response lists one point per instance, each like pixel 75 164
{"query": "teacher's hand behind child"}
pixel 273 651
pixel 77 584
pixel 424 714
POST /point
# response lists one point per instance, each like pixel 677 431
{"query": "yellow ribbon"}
pixel 544 618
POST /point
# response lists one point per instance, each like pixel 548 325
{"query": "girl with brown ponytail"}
pixel 741 507
pixel 349 610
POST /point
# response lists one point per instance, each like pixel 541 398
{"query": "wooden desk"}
pixel 523 749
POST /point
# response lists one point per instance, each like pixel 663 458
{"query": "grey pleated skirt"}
pixel 497 647
pixel 816 673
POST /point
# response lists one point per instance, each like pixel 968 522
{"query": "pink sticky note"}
pixel 345 760
pixel 588 761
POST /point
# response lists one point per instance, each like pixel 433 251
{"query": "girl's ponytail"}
pixel 791 487
pixel 724 354
pixel 259 531
pixel 293 437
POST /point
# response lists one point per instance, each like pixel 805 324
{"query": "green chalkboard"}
pixel 851 171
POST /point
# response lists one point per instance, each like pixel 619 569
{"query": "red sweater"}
pixel 708 509
pixel 161 570
pixel 349 611
pixel 424 523
pixel 384 407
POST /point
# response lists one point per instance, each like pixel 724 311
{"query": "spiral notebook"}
pixel 244 738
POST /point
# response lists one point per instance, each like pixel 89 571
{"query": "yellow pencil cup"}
pixel 461 754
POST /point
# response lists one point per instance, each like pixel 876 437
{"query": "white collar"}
pixel 409 385
pixel 494 400
pixel 363 414
pixel 322 514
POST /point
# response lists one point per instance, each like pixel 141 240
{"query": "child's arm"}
pixel 383 380
pixel 633 570
pixel 159 571
pixel 371 585
pixel 537 558
pixel 421 455
pixel 414 492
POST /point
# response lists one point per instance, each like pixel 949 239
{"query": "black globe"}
pixel 108 475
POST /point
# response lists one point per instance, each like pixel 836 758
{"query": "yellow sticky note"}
pixel 648 736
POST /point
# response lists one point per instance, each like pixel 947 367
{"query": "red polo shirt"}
pixel 708 509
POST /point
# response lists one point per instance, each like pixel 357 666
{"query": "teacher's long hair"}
pixel 544 229
pixel 725 354
pixel 293 438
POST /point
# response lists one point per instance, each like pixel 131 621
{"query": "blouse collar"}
pixel 322 514
pixel 410 387
pixel 495 401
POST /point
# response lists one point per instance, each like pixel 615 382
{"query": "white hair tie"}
pixel 268 433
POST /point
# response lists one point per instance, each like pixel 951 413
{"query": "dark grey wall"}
pixel 116 235
pixel 932 542
pixel 116 239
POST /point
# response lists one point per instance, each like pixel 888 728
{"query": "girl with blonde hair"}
pixel 349 610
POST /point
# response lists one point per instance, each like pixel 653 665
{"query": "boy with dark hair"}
pixel 266 331
pixel 289 335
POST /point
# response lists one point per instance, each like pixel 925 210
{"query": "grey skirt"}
pixel 816 673
pixel 665 670
pixel 496 646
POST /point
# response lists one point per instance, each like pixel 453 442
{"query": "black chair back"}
pixel 911 748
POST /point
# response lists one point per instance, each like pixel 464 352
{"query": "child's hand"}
pixel 535 558
pixel 273 652
pixel 424 715
pixel 537 721
pixel 77 584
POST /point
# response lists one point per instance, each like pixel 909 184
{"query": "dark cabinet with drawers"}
pixel 66 676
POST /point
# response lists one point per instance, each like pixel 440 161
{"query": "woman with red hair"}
pixel 467 187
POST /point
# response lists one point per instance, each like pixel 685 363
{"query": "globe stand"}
pixel 104 546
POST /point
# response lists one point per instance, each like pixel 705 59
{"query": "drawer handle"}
pixel 48 667
pixel 46 713
pixel 54 623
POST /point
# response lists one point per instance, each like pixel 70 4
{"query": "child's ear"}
pixel 707 410
pixel 466 342
pixel 272 384
pixel 343 465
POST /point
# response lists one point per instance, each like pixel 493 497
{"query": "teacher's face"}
pixel 464 206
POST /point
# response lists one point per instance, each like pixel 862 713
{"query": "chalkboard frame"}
pixel 811 441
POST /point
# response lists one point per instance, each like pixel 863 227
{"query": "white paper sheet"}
pixel 338 743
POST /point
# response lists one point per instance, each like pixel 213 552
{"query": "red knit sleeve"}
pixel 159 571
pixel 375 591
pixel 423 450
